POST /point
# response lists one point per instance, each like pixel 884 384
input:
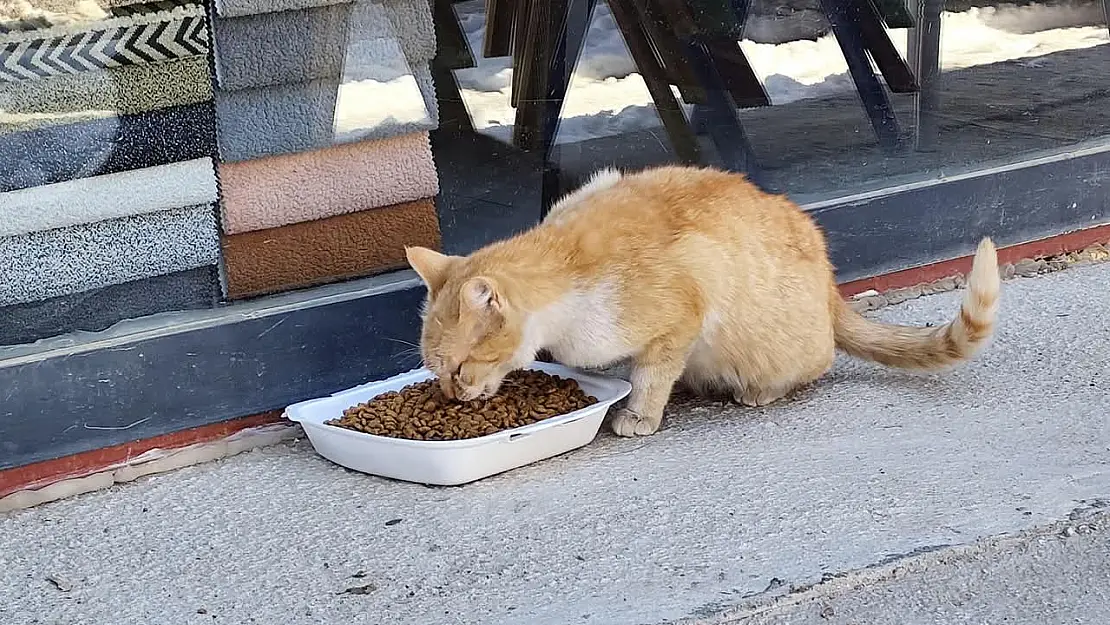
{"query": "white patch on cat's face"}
pixel 600 181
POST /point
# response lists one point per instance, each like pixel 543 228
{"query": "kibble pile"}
pixel 421 412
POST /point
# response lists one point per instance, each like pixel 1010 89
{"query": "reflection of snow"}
pixel 62 14
pixel 608 97
pixel 357 118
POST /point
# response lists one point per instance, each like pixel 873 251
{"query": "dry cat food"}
pixel 421 412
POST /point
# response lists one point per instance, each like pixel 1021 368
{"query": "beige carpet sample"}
pixel 291 188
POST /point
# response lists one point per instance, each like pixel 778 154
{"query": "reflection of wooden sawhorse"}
pixel 691 44
pixel 924 52
pixel 858 28
pixel 452 52
pixel 545 39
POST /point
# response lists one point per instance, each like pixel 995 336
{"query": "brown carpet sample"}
pixel 327 250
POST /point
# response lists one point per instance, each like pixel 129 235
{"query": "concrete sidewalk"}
pixel 728 515
pixel 1054 574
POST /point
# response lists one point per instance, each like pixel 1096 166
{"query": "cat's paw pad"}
pixel 628 423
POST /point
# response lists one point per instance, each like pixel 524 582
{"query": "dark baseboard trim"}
pixel 923 223
pixel 1043 248
pixel 181 371
pixel 174 373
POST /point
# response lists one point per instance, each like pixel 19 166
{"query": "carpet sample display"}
pixel 239 8
pixel 328 250
pixel 64 261
pixel 110 196
pixel 280 48
pixel 134 39
pixel 31 104
pixel 100 309
pixel 57 154
pixel 292 188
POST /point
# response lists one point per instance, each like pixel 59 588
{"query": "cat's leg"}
pixel 701 374
pixel 654 373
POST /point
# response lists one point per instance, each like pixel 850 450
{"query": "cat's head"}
pixel 472 335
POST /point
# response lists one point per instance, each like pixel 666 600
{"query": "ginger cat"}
pixel 691 273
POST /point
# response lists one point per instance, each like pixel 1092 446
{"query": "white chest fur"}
pixel 582 329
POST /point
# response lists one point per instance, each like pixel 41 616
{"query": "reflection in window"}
pixel 935 88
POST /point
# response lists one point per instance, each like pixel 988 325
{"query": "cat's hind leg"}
pixel 760 372
pixel 763 386
pixel 756 397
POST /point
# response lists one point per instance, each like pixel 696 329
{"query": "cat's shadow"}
pixel 687 408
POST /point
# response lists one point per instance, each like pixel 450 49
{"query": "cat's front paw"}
pixel 628 423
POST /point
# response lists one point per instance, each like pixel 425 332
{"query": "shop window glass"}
pixel 176 156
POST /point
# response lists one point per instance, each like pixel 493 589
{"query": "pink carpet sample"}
pixel 293 188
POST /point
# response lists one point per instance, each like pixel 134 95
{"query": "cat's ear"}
pixel 432 266
pixel 481 295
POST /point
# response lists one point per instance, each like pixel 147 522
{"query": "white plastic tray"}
pixel 450 463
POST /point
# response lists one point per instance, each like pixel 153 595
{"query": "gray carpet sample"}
pixel 239 8
pixel 65 261
pixel 126 90
pixel 376 96
pixel 412 20
pixel 280 48
pixel 61 153
pixel 110 196
pixel 275 120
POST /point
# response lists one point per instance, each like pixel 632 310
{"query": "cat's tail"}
pixel 909 347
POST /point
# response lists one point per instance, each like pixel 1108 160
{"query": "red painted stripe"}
pixel 44 473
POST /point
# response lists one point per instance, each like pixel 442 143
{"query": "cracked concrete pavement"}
pixel 1055 574
pixel 727 515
